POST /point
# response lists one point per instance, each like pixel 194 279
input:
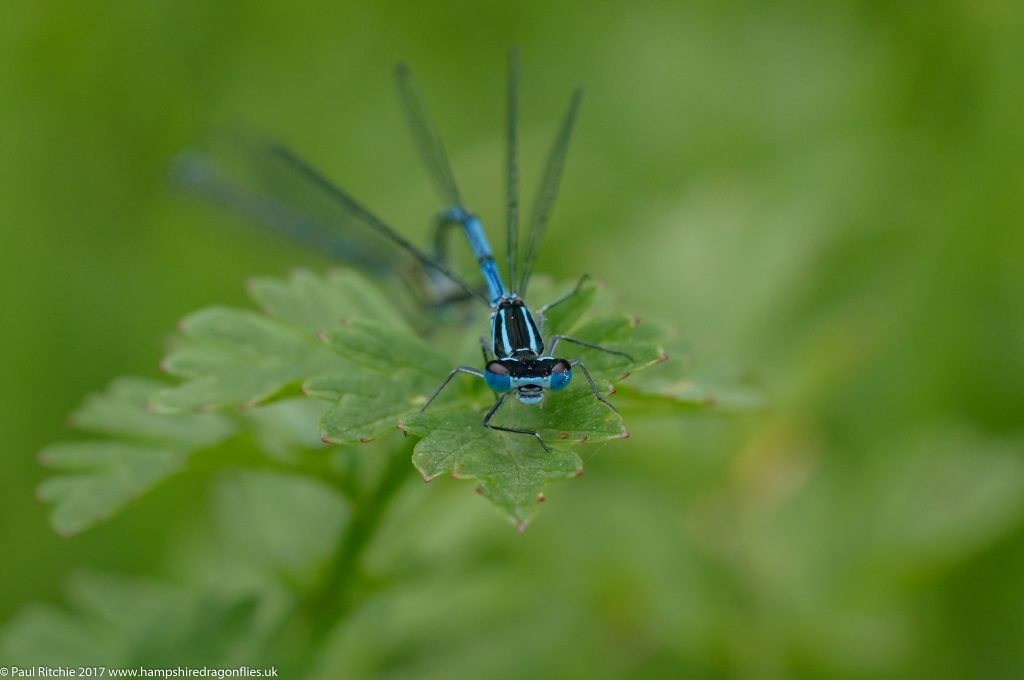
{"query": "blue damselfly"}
pixel 280 190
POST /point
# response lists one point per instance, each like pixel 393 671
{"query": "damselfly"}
pixel 517 361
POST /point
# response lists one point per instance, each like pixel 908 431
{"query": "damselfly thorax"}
pixel 514 333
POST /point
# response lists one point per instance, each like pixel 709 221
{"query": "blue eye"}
pixel 559 379
pixel 497 377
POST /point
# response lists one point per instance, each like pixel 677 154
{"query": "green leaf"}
pixel 101 477
pixel 236 357
pixel 121 411
pixel 368 404
pixel 313 303
pixel 343 341
pixel 394 374
pixel 385 350
pixel 117 621
pixel 682 382
pixel 257 513
pixel 286 429
pixel 512 469
pixel 231 356
pixel 671 389
pixel 98 477
pixel 620 333
pixel 563 317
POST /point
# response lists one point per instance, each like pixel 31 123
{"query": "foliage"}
pixel 374 373
pixel 823 198
pixel 239 406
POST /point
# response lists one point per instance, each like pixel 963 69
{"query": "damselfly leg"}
pixel 555 339
pixel 559 300
pixel 517 430
pixel 459 369
pixel 485 349
pixel 593 387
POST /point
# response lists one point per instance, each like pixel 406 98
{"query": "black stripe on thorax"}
pixel 515 330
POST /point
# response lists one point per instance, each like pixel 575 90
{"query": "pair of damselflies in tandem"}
pixel 287 195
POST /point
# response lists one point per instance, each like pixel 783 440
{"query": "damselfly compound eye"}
pixel 497 377
pixel 561 375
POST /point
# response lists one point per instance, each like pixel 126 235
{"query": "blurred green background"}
pixel 826 197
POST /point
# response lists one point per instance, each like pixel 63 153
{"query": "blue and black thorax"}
pixel 514 333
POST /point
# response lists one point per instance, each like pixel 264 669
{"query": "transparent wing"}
pixel 548 189
pixel 426 138
pixel 511 166
pixel 272 186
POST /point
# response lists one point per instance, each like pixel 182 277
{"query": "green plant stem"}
pixel 338 594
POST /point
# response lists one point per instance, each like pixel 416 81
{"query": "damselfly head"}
pixel 528 379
